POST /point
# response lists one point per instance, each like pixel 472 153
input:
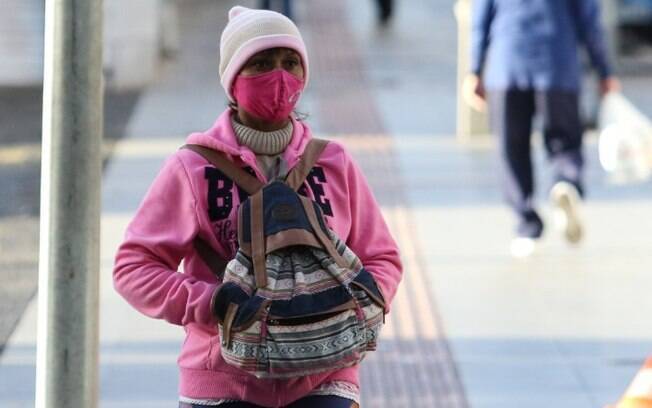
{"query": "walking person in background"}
pixel 193 206
pixel 525 61
pixel 286 6
pixel 385 10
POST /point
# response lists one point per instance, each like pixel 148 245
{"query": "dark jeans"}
pixel 511 114
pixel 317 401
pixel 285 9
pixel 385 9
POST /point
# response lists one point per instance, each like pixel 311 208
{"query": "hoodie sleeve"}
pixel 156 241
pixel 481 18
pixel 369 237
pixel 588 23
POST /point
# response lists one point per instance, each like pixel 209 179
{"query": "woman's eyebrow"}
pixel 257 58
pixel 291 53
pixel 275 51
pixel 262 54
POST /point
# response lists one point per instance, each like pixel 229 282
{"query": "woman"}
pixel 263 69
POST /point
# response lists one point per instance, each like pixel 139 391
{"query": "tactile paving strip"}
pixel 413 366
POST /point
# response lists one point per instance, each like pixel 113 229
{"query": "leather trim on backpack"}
pixel 326 243
pixel 258 239
pixel 259 315
pixel 228 322
pixel 214 305
pixel 308 159
pixel 283 239
pixel 316 317
pixel 379 300
pixel 246 181
pixel 291 237
pixel 216 263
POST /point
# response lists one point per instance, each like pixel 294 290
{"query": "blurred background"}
pixel 471 326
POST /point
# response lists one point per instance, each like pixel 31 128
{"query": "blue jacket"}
pixel 533 44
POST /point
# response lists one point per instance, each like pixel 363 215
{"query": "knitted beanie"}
pixel 250 31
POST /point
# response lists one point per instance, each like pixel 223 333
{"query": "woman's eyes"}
pixel 261 65
pixel 267 65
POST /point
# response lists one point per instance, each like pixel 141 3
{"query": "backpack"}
pixel 295 300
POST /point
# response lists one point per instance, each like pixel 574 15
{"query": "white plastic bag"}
pixel 625 140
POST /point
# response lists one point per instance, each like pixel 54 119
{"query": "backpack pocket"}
pixel 302 346
pixel 371 301
pixel 296 346
pixel 365 281
pixel 245 349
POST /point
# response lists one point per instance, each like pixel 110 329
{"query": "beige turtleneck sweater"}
pixel 267 146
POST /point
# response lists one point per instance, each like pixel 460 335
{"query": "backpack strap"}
pixel 325 241
pixel 308 159
pixel 211 258
pixel 258 240
pixel 246 181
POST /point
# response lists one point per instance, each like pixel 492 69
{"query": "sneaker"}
pixel 522 247
pixel 566 200
pixel 530 225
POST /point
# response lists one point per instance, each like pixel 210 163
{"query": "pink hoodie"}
pixel 189 197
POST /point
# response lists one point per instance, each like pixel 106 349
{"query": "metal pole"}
pixel 67 348
pixel 470 124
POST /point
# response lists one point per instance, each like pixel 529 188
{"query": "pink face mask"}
pixel 270 96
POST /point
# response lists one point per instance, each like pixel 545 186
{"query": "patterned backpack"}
pixel 295 300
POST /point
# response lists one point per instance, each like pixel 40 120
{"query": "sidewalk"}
pixel 470 326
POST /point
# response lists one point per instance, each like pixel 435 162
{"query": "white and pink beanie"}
pixel 250 31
